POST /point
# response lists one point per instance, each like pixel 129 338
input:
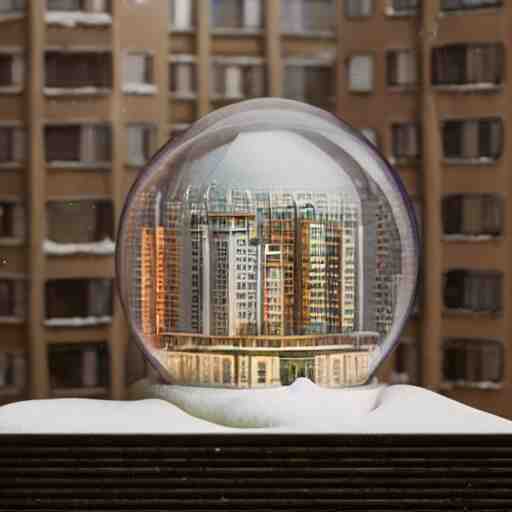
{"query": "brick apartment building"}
pixel 90 88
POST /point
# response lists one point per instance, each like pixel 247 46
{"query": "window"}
pixel 473 290
pixel 473 215
pixel 234 81
pixel 457 5
pixel 13 370
pixel 80 221
pixel 473 139
pixel 181 14
pixel 11 6
pixel 78 365
pixel 404 7
pixel 312 84
pixel 12 298
pixel 236 14
pixel 12 70
pixel 12 220
pixel 78 69
pixel 12 144
pixel 402 68
pixel 226 371
pixel 299 16
pixel 406 363
pixel 77 300
pixel 138 74
pixel 358 8
pixel 84 144
pixel 472 361
pixel 468 64
pixel 78 5
pixel 360 72
pixel 405 141
pixel 262 372
pixel 141 143
pixel 183 77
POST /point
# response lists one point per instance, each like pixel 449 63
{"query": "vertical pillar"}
pixel 273 47
pixel 36 177
pixel 203 57
pixel 431 322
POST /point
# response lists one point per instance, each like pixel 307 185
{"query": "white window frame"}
pixel 367 85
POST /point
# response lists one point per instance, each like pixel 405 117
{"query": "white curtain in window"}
pixel 134 69
pixel 90 368
pixel 406 67
pixel 181 14
pixel 252 14
pixel 184 78
pixel 233 77
pixel 292 15
pixel 361 73
pixel 470 147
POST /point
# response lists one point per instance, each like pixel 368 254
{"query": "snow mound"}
pixel 73 18
pixel 78 321
pixel 300 408
pixel 140 89
pixel 103 247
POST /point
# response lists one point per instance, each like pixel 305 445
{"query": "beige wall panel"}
pixel 76 335
pixel 237 45
pixel 182 111
pixel 182 43
pixel 95 37
pixel 12 259
pixel 483 325
pixel 13 33
pixel 12 183
pixel 488 255
pixel 78 266
pixel 70 109
pixel 13 337
pixel 12 107
pixel 472 179
pixel 73 182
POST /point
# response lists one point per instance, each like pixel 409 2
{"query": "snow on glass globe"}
pixel 269 242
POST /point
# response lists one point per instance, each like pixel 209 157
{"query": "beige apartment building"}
pixel 90 88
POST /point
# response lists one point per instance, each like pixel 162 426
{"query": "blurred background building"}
pixel 90 88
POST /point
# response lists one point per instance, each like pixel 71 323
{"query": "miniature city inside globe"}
pixel 270 242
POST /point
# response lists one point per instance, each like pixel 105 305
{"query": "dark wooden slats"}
pixel 256 473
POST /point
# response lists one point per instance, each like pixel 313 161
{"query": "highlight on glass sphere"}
pixel 269 242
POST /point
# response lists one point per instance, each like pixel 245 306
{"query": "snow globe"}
pixel 270 242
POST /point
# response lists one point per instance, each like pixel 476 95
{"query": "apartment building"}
pixel 89 89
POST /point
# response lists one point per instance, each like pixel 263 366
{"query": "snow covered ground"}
pixel 300 408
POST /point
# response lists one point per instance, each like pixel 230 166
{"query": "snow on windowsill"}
pixel 483 385
pixel 470 238
pixel 140 89
pixel 238 31
pixel 181 30
pixel 482 160
pixel 73 18
pixel 483 86
pixel 11 89
pixel 66 164
pixel 76 91
pixel 405 13
pixel 78 321
pixel 102 247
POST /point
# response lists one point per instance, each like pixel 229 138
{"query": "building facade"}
pixel 90 88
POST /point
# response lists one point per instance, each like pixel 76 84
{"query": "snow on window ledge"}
pixel 78 321
pixel 140 89
pixel 449 385
pixel 238 31
pixel 66 164
pixel 11 89
pixel 460 237
pixel 400 13
pixel 71 19
pixel 76 91
pixel 181 30
pixel 103 247
pixel 483 86
pixel 482 160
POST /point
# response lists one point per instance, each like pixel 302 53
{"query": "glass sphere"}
pixel 269 242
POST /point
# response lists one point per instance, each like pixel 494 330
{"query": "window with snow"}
pixel 12 298
pixel 405 141
pixel 78 302
pixel 91 6
pixel 404 7
pixel 11 6
pixel 82 221
pixel 13 370
pixel 472 361
pixel 468 64
pixel 299 16
pixel 12 144
pixel 182 14
pixel 88 145
pixel 183 76
pixel 402 68
pixel 360 73
pixel 312 84
pixel 12 220
pixel 358 8
pixel 141 143
pixel 236 80
pixel 473 290
pixel 138 73
pixel 462 5
pixel 79 365
pixel 12 70
pixel 75 70
pixel 473 215
pixel 236 14
pixel 405 369
pixel 473 139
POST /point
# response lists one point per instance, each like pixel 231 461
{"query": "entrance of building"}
pixel 292 369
